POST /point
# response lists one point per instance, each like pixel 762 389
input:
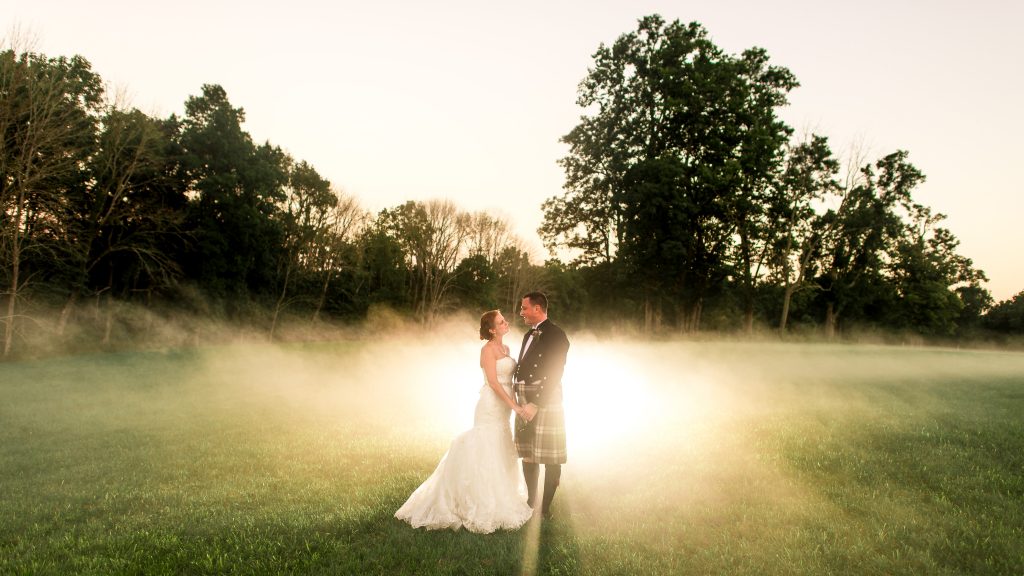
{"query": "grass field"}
pixel 685 458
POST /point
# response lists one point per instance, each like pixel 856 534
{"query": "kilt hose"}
pixel 541 440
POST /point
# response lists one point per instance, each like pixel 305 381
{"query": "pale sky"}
pixel 411 100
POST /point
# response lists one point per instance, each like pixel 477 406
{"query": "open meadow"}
pixel 684 458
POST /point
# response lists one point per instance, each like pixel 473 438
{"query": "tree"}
pixel 476 283
pixel 927 273
pixel 305 214
pixel 236 190
pixel 384 263
pixel 976 300
pixel 478 276
pixel 1007 316
pixel 123 225
pixel 335 250
pixel 584 218
pixel 808 178
pixel 664 244
pixel 757 155
pixel 516 276
pixel 433 236
pixel 669 167
pixel 567 292
pixel 49 110
pixel 488 236
pixel 862 233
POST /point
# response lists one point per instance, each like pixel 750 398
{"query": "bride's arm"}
pixel 489 362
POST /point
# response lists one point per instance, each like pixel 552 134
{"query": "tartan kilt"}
pixel 542 440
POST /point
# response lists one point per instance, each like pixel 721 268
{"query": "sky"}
pixel 467 100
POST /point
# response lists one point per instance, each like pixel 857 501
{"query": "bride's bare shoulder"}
pixel 487 351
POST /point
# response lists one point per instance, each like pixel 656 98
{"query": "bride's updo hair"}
pixel 487 323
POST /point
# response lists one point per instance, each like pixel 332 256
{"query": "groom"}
pixel 538 381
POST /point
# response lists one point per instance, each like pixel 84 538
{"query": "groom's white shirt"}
pixel 528 341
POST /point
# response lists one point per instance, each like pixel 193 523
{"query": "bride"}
pixel 477 484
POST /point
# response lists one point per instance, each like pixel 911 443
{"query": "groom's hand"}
pixel 531 411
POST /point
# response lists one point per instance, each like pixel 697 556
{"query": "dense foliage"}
pixel 688 205
pixel 686 193
pixel 106 210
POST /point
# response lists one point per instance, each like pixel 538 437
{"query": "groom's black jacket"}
pixel 543 363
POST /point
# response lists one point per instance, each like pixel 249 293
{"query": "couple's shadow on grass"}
pixel 542 546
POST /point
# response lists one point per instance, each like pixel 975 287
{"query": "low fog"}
pixel 412 382
pixel 694 416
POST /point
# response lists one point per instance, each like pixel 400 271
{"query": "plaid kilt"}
pixel 542 440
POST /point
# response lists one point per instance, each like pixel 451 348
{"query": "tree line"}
pixel 106 209
pixel 688 206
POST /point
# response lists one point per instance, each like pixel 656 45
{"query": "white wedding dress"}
pixel 477 484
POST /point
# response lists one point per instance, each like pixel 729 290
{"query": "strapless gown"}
pixel 478 484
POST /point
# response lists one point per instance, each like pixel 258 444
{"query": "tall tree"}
pixel 49 110
pixel 237 188
pixel 809 178
pixel 384 263
pixel 758 154
pixel 305 216
pixel 863 231
pixel 668 168
pixel 335 250
pixel 123 225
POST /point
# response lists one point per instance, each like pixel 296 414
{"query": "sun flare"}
pixel 607 400
pixel 617 397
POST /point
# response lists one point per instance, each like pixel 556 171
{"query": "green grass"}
pixel 748 459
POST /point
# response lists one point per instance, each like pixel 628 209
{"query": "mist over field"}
pixel 690 448
pixel 619 394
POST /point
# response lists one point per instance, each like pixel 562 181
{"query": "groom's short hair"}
pixel 538 299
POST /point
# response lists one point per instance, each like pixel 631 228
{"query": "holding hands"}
pixel 527 411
